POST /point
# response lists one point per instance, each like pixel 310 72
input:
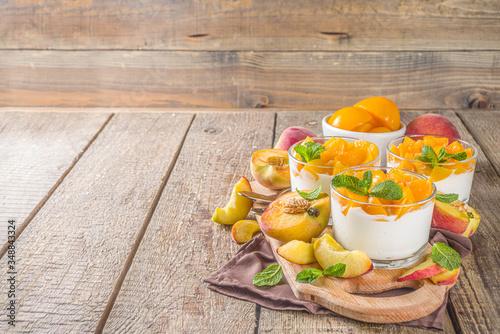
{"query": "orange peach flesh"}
pixel 301 226
pixel 244 230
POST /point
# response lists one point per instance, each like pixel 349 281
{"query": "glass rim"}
pixel 374 134
pixel 292 157
pixel 473 156
pixel 424 201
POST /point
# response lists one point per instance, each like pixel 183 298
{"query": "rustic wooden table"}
pixel 114 232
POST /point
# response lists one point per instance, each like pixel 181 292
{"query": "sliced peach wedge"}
pixel 446 277
pixel 425 269
pixel 244 230
pixel 296 251
pixel 456 217
pixel 238 206
pixel 270 168
pixel 328 252
pixel 291 217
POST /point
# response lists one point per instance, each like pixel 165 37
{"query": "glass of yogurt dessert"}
pixel 392 232
pixel 446 161
pixel 323 157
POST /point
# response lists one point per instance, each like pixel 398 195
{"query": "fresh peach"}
pixel 474 222
pixel 270 168
pixel 432 124
pixel 446 277
pixel 456 217
pixel 328 252
pixel 291 135
pixel 425 269
pixel 296 251
pixel 291 217
pixel 238 206
pixel 243 230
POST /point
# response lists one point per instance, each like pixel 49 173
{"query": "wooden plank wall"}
pixel 249 54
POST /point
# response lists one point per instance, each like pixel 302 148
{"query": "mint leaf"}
pixel 428 151
pixel 351 183
pixel 308 275
pixel 458 156
pixel 367 180
pixel 447 198
pixel 270 276
pixel 445 256
pixel 442 153
pixel 309 151
pixel 389 190
pixel 311 195
pixel 336 270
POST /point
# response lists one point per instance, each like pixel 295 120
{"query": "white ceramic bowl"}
pixel 379 139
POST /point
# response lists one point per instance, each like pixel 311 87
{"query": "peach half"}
pixel 291 135
pixel 328 252
pixel 446 277
pixel 270 168
pixel 243 230
pixel 238 206
pixel 291 217
pixel 456 217
pixel 296 251
pixel 425 269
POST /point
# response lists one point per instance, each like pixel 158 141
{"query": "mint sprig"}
pixel 270 276
pixel 309 151
pixel 428 155
pixel 311 195
pixel 389 189
pixel 445 256
pixel 335 270
pixel 446 198
pixel 310 275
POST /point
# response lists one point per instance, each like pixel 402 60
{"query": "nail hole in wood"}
pixel 335 33
pixel 198 35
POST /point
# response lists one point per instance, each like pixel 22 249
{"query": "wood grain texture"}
pixel 164 290
pixel 302 80
pixel 36 151
pixel 72 253
pixel 251 25
pixel 277 322
pixel 475 298
pixel 484 127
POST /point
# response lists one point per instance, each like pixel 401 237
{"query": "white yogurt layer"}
pixel 458 184
pixel 382 237
pixel 307 181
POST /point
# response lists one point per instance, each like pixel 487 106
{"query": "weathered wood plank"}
pixel 36 152
pixel 164 290
pixel 251 25
pixel 304 80
pixel 278 322
pixel 71 255
pixel 484 126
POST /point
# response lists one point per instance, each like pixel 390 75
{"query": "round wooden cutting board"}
pixel 351 298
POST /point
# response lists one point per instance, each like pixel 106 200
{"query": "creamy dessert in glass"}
pixel 446 161
pixel 328 157
pixel 392 232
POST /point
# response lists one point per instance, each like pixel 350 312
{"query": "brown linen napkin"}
pixel 234 279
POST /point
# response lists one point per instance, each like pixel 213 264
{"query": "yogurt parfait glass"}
pixel 448 174
pixel 393 233
pixel 339 154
